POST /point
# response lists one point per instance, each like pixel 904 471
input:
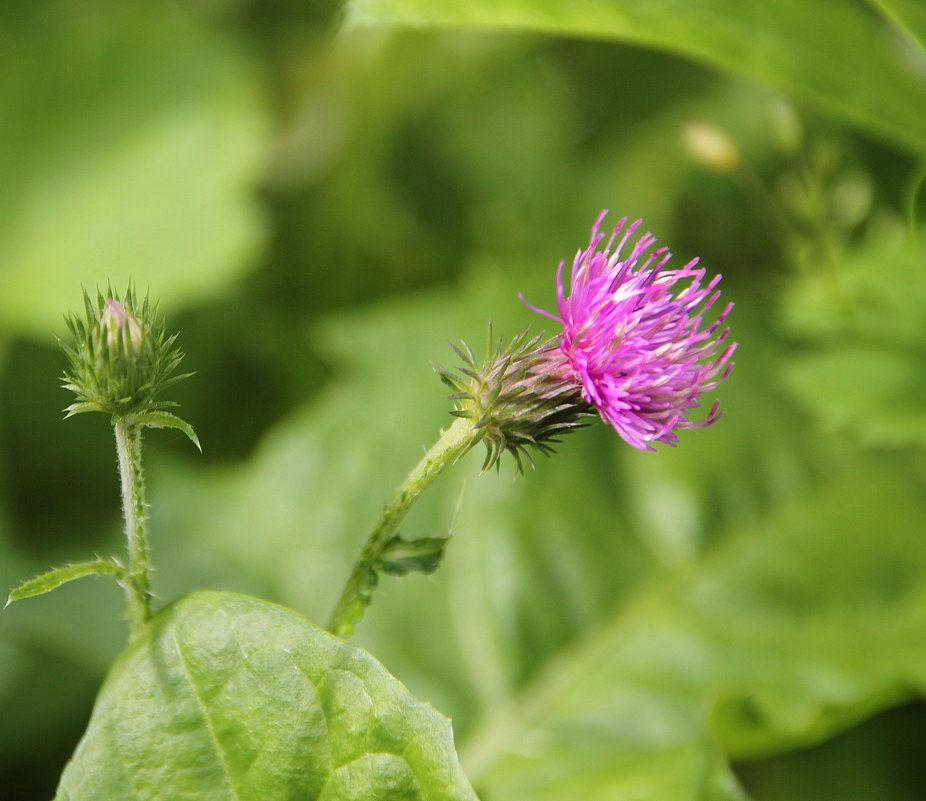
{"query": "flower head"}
pixel 634 342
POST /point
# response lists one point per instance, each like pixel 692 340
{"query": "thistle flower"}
pixel 637 352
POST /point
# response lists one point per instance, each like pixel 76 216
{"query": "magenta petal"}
pixel 634 341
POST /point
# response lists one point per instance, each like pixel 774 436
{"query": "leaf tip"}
pixel 195 440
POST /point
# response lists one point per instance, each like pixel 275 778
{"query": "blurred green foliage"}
pixel 320 209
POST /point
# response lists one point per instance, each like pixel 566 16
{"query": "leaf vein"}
pixel 207 719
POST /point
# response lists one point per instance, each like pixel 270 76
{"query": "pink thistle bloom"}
pixel 633 342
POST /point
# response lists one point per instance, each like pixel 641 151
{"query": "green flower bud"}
pixel 121 358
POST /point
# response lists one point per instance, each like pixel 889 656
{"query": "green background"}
pixel 322 198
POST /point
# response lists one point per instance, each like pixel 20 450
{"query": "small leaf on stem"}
pixel 57 576
pixel 401 557
pixel 168 420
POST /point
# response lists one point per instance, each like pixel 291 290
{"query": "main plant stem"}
pixel 137 582
pixel 358 592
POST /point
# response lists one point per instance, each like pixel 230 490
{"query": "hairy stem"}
pixel 137 582
pixel 358 592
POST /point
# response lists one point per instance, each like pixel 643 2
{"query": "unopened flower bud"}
pixel 710 147
pixel 853 196
pixel 121 358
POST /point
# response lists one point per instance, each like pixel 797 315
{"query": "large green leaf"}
pixel 228 698
pixel 799 46
pixel 751 649
pixel 131 138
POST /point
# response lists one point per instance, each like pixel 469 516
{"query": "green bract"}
pixel 121 357
pixel 517 398
pixel 228 698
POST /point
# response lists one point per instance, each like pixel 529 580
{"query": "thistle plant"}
pixel 630 349
pixel 120 360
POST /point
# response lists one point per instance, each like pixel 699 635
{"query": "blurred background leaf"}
pixel 321 214
pixel 134 135
pixel 864 321
pixel 794 45
pixel 908 14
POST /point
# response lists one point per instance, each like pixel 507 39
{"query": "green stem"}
pixel 137 582
pixel 358 592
